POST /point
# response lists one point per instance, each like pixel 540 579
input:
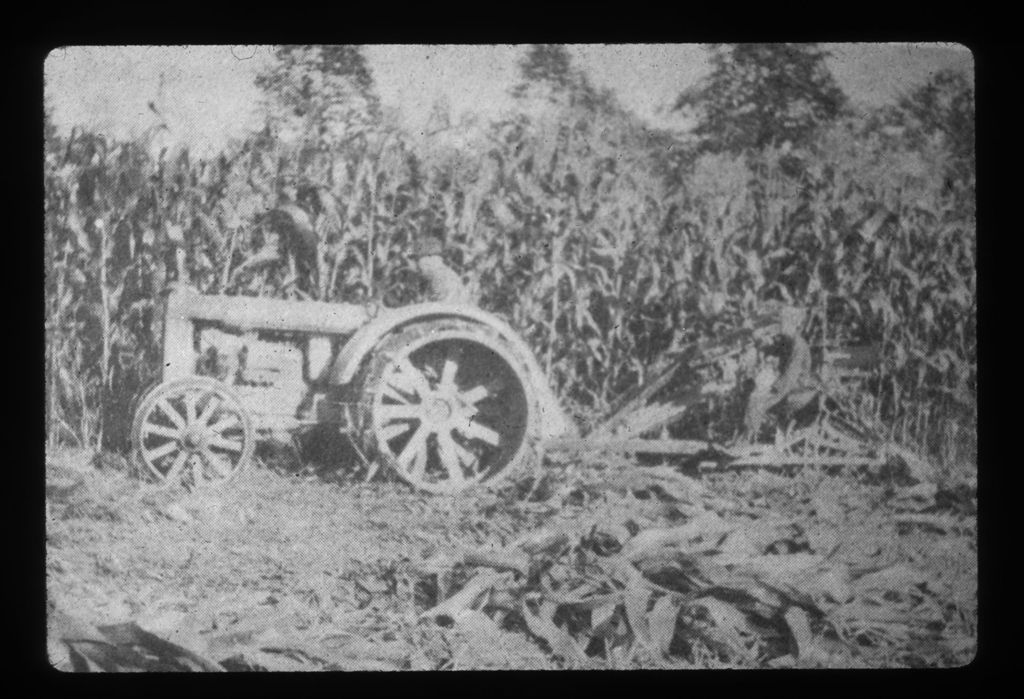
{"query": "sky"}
pixel 207 93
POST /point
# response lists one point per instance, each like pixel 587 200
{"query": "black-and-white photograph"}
pixel 510 357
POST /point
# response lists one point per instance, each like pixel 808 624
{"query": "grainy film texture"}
pixel 510 357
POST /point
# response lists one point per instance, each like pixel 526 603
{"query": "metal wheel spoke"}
pixel 177 466
pixel 400 412
pixel 171 432
pixel 217 463
pixel 161 451
pixel 411 377
pixel 170 412
pixel 496 386
pixel 389 432
pixel 224 443
pixel 190 399
pixel 475 395
pixel 447 382
pixel 418 468
pixel 415 449
pixel 196 462
pixel 467 457
pixel 450 458
pixel 395 394
pixel 225 423
pixel 475 430
pixel 208 410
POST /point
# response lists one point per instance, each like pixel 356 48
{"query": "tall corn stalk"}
pixel 105 325
pixel 583 210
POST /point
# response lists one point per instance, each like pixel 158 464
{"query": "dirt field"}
pixel 286 572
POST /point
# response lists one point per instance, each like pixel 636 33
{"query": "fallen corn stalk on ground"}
pixel 603 564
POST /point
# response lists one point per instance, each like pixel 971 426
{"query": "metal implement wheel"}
pixel 193 430
pixel 447 405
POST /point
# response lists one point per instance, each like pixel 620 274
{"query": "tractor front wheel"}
pixel 192 430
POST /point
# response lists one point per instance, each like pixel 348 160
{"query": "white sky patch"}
pixel 206 93
pixel 645 77
pixel 879 73
pixel 472 79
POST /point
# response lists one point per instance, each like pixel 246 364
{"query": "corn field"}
pixel 603 245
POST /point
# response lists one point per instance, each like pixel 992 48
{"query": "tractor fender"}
pixel 554 423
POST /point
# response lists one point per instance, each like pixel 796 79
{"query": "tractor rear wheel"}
pixel 446 404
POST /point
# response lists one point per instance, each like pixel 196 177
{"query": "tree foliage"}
pixel 547 73
pixel 320 93
pixel 762 96
pixel 939 114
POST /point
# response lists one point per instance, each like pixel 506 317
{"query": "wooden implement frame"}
pixel 633 416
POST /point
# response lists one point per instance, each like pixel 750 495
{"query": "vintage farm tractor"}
pixel 446 396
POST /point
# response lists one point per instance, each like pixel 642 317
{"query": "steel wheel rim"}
pixel 193 430
pixel 451 411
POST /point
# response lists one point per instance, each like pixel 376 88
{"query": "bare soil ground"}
pixel 284 572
